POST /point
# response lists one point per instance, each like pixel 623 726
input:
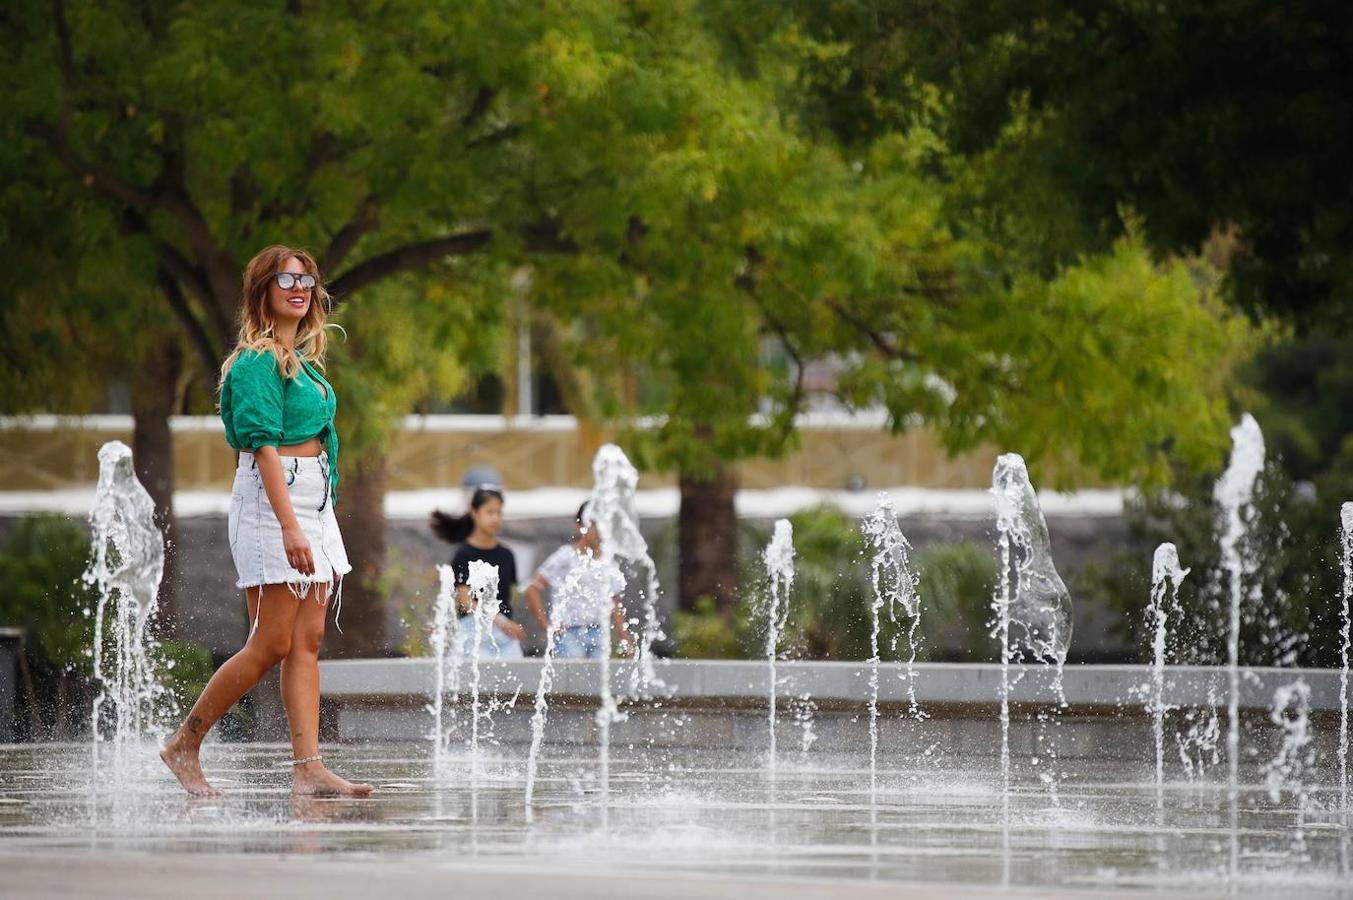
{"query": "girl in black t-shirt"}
pixel 476 532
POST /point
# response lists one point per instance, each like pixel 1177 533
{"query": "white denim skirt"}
pixel 256 535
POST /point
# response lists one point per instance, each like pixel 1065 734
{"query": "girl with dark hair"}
pixel 477 534
pixel 585 596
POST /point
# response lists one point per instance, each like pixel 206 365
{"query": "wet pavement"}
pixel 647 817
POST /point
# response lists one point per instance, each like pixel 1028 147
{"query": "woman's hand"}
pixel 297 548
pixel 295 544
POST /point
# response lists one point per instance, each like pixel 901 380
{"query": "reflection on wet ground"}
pixel 686 810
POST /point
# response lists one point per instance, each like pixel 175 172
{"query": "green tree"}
pixel 748 229
pixel 681 211
pixel 1226 117
pixel 178 139
pixel 67 331
pixel 42 561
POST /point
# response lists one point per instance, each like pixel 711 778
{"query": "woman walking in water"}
pixel 278 412
pixel 477 534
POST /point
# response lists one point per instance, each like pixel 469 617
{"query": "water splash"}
pixel 805 714
pixel 1166 576
pixel 565 600
pixel 611 508
pixel 1296 756
pixel 445 650
pixel 1234 495
pixel 538 717
pixel 607 711
pixel 1346 532
pixel 1031 606
pixel 483 584
pixel 1200 741
pixel 126 566
pixel 895 592
pixel 779 560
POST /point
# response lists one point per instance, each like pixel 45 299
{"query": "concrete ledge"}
pixel 722 682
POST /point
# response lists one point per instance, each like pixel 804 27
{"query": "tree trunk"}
pixel 361 516
pixel 154 393
pixel 707 539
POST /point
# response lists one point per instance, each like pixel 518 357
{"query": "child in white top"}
pixel 584 593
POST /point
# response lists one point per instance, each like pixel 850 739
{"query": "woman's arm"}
pixel 294 542
pixel 257 392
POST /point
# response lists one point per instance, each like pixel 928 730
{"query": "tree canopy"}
pixel 703 197
pixel 1229 118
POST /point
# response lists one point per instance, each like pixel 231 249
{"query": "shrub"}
pixel 957 581
pixel 1290 615
pixel 41 567
pixel 705 634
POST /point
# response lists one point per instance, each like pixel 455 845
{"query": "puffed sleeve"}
pixel 256 394
pixel 617 579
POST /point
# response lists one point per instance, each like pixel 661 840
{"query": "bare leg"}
pixel 269 643
pixel 300 696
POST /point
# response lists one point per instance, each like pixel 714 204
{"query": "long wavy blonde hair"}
pixel 257 329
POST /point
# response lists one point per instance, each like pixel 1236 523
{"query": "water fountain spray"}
pixel 125 568
pixel 1291 712
pixel 1346 532
pixel 538 716
pixel 483 583
pixel 894 582
pixel 1234 494
pixel 1166 576
pixel 562 598
pixel 779 559
pixel 1032 609
pixel 611 509
pixel 445 625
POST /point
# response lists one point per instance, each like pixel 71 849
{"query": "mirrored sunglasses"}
pixel 286 281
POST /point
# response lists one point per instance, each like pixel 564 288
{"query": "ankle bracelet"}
pixel 301 762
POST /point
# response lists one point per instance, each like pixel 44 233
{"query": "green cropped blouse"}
pixel 261 408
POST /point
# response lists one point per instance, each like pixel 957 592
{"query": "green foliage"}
pixel 413 592
pixel 1300 390
pixel 883 258
pixel 829 607
pixel 705 634
pixel 1112 363
pixel 184 670
pixel 956 585
pixel 677 179
pixel 1205 118
pixel 830 604
pixel 831 616
pixel 416 341
pixel 41 564
pixel 1290 610
pixel 707 199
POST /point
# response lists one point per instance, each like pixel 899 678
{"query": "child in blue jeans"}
pixel 584 593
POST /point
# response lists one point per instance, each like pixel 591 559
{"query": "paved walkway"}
pixel 205 877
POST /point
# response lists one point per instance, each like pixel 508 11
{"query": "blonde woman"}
pixel 278 411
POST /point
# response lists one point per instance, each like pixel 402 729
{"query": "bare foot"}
pixel 314 780
pixel 183 762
